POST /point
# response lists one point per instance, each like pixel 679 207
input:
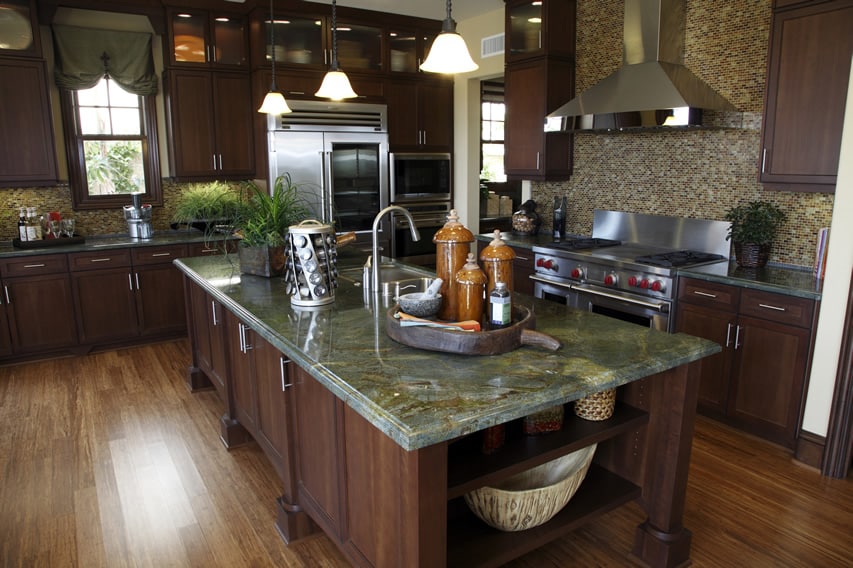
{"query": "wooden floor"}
pixel 108 460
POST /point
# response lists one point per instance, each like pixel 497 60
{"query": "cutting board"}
pixel 486 342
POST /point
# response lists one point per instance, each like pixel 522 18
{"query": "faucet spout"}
pixel 375 282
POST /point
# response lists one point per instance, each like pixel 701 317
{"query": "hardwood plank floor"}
pixel 108 460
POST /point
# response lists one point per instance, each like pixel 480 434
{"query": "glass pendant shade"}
pixel 449 54
pixel 274 103
pixel 336 86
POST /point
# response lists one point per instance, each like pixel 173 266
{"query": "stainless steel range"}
pixel 627 268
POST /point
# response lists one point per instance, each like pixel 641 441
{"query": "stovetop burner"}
pixel 583 243
pixel 678 258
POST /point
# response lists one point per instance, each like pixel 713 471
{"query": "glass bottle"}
pixel 22 225
pixel 497 259
pixel 500 307
pixel 33 225
pixel 453 243
pixel 471 290
pixel 559 218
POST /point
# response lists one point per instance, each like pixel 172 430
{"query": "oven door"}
pixel 429 218
pixel 647 312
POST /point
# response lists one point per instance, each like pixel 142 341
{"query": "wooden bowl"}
pixel 532 497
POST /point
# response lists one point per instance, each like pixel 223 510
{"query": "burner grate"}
pixel 678 258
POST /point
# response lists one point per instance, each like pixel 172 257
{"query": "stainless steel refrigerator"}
pixel 337 153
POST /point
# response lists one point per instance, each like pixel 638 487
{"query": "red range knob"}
pixel 540 262
pixel 644 283
pixel 632 281
pixel 548 264
pixel 610 280
pixel 657 286
pixel 577 272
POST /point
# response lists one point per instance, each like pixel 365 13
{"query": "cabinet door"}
pixel 273 382
pixel 105 305
pixel 159 300
pixel 539 28
pixel 768 378
pixel 5 338
pixel 203 38
pixel 26 132
pixel 193 139
pixel 719 327
pixel 41 312
pixel 522 269
pixel 809 68
pixel 318 415
pixel 403 124
pixel 435 109
pixel 19 33
pixel 239 340
pixel 232 117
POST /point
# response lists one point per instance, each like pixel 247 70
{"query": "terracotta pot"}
pixel 751 255
pixel 262 261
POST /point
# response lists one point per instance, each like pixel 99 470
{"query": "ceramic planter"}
pixel 262 261
pixel 751 255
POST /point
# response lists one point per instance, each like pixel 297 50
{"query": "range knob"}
pixel 577 272
pixel 644 283
pixel 633 281
pixel 547 264
pixel 610 280
pixel 658 286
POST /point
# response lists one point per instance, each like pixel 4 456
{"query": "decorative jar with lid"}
pixel 452 245
pixel 497 259
pixel 526 220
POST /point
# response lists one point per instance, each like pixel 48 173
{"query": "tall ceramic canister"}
pixel 497 259
pixel 471 290
pixel 452 245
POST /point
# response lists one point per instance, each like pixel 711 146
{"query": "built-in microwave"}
pixel 420 177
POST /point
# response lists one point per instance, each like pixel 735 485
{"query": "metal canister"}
pixel 311 267
pixel 452 245
pixel 497 259
pixel 471 290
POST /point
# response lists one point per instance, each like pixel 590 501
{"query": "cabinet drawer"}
pixel 34 265
pixel 158 255
pixel 97 260
pixel 777 307
pixel 208 249
pixel 708 294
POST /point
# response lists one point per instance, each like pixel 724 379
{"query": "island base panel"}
pixel 292 522
pixel 657 548
pixel 232 433
pixel 197 380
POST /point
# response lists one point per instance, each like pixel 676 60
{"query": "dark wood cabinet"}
pixel 811 45
pixel 207 341
pixel 420 114
pixel 210 121
pixel 757 382
pixel 239 344
pixel 38 306
pixel 105 303
pixel 534 29
pixel 533 88
pixel 5 338
pixel 209 38
pixel 159 290
pixel 26 131
pixel 19 35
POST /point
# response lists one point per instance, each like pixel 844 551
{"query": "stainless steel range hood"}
pixel 652 88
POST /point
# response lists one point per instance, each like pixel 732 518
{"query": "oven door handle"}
pixel 662 307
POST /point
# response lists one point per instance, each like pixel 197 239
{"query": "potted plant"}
pixel 755 225
pixel 262 221
pixel 206 205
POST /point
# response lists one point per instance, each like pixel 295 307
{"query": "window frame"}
pixel 74 142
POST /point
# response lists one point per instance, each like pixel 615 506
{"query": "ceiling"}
pixel 434 9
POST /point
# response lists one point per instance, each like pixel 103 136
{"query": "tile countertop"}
pixel 102 242
pixel 792 281
pixel 418 397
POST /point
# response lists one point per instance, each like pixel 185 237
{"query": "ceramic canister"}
pixel 452 245
pixel 471 290
pixel 497 259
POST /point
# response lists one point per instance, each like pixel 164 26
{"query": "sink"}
pixel 396 279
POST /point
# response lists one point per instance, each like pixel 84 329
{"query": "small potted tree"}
pixel 261 223
pixel 755 225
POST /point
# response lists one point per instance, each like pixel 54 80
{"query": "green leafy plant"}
pixel 755 222
pixel 213 201
pixel 264 218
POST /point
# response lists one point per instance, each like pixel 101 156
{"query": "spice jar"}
pixel 526 220
pixel 452 245
pixel 497 259
pixel 471 290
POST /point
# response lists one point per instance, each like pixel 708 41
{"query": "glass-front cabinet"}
pixel 208 38
pixel 539 27
pixel 298 40
pixel 407 49
pixel 524 23
pixel 18 28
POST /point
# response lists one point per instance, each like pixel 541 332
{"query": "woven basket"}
pixel 597 406
pixel 532 497
pixel 750 255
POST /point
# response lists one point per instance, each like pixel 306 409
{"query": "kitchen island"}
pixel 376 442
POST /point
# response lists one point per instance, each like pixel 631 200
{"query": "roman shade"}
pixel 85 55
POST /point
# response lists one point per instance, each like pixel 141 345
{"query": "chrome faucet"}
pixel 374 261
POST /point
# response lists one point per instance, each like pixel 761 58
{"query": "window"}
pixel 492 111
pixel 111 139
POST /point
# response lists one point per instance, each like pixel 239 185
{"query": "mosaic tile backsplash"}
pixel 698 174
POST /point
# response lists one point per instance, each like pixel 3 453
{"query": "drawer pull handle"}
pixel 522 257
pixel 706 294
pixel 728 334
pixel 737 338
pixel 284 384
pixel 130 281
pixel 161 254
pixel 769 307
pixel 213 312
pixel 100 259
pixel 6 291
pixel 34 265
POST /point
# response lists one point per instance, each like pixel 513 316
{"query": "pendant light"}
pixel 335 84
pixel 274 102
pixel 449 53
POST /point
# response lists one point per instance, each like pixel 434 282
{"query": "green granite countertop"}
pixel 418 397
pixel 792 281
pixel 102 242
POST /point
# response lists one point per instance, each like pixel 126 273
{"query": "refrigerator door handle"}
pixel 328 196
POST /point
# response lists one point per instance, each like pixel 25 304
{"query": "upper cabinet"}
pixel 407 49
pixel 19 28
pixel 811 45
pixel 198 37
pixel 539 27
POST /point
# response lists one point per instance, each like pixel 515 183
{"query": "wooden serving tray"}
pixel 487 342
